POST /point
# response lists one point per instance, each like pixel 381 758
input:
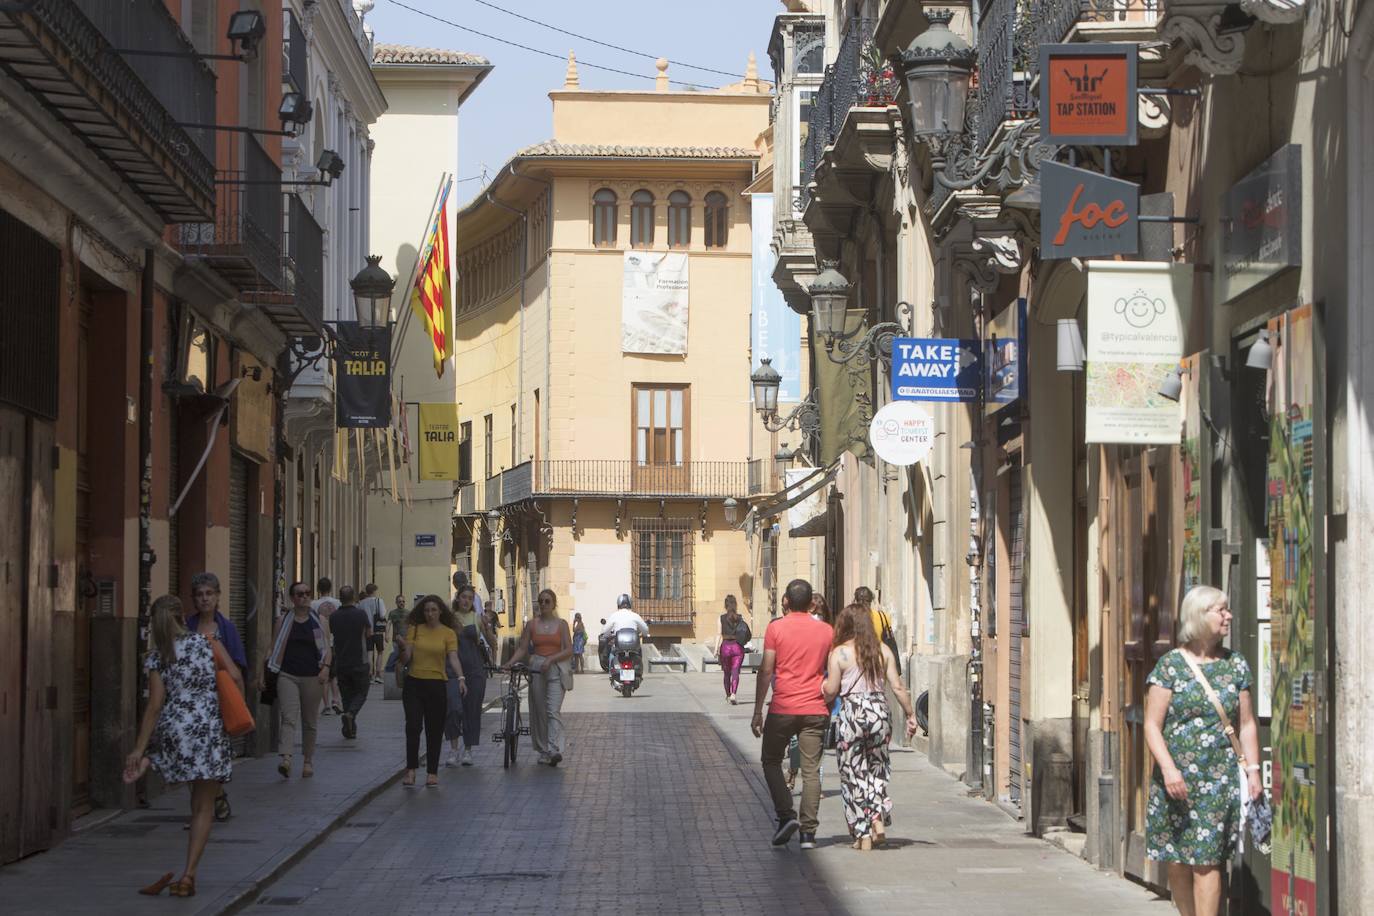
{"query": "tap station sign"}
pixel 1086 215
pixel 1088 94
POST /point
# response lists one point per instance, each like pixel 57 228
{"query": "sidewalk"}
pixel 276 821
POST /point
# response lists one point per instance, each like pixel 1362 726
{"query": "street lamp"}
pixel 731 507
pixel 1261 354
pixel 937 66
pixel 493 519
pixel 829 299
pixel 782 460
pixel 247 28
pixel 766 381
pixel 372 288
pixel 1171 389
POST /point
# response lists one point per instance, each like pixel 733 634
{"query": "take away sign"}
pixel 1086 215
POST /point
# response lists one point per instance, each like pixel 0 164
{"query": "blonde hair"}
pixel 167 627
pixel 1192 614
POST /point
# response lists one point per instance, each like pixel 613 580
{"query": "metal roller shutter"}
pixel 1017 606
pixel 237 585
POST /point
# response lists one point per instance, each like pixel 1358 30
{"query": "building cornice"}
pixel 339 48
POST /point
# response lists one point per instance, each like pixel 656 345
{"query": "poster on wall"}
pixel 1192 471
pixel 1293 597
pixel 1135 338
pixel 362 368
pixel 774 329
pixel 1004 358
pixel 654 302
pixel 438 441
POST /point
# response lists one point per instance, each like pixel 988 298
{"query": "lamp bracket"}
pixel 805 417
pixel 876 342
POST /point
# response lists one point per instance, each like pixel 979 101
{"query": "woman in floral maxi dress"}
pixel 859 671
pixel 182 721
pixel 1193 817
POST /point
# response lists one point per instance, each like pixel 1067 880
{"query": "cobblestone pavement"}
pixel 660 808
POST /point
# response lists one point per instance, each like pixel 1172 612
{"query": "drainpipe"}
pixel 146 557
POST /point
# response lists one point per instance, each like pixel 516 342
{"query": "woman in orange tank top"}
pixel 547 643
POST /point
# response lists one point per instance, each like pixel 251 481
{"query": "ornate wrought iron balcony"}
pixel 126 109
pixel 244 243
pixel 298 307
pixel 859 77
pixel 695 479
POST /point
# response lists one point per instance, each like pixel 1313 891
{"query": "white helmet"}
pixel 622 602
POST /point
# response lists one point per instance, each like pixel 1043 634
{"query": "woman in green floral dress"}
pixel 1193 818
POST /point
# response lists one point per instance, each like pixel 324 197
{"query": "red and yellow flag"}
pixel 431 298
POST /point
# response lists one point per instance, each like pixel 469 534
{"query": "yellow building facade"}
pixel 602 355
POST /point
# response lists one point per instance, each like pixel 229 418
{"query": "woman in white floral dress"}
pixel 182 721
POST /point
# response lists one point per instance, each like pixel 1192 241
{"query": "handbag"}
pixel 238 721
pixel 1258 814
pixel 402 666
pixel 269 685
pixel 890 640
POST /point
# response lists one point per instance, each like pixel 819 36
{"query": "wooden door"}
pixel 13 441
pixel 86 592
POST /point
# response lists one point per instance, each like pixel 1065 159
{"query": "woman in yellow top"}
pixel 547 642
pixel 430 640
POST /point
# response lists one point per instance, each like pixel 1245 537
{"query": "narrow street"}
pixel 660 808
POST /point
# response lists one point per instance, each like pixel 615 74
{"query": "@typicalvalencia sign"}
pixel 902 433
pixel 1088 93
pixel 1086 215
pixel 935 369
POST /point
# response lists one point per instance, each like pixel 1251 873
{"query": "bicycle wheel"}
pixel 512 733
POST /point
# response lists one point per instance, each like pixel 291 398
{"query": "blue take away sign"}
pixel 936 369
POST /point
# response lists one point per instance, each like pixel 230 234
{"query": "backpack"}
pixel 742 633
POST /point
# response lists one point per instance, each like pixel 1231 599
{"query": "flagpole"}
pixel 436 206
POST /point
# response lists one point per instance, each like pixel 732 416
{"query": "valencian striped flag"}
pixel 431 299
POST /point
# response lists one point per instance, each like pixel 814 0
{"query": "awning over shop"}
pixel 806 483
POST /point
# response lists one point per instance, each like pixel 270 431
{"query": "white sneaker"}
pixel 452 760
pixel 466 759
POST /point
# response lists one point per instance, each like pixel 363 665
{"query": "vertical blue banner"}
pixel 774 329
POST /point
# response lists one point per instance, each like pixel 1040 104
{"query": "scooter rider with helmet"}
pixel 624 618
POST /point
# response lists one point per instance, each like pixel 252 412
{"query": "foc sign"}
pixel 1087 215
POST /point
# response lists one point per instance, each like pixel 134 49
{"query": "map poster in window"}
pixel 1136 315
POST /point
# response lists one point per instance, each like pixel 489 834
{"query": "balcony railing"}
pixel 701 479
pixel 467 499
pixel 298 307
pixel 858 77
pixel 294 71
pixel 493 491
pixel 760 479
pixel 126 108
pixel 244 243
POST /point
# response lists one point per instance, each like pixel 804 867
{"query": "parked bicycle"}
pixel 512 722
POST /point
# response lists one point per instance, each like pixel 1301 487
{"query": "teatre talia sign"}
pixel 1086 215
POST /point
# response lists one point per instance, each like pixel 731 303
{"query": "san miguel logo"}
pixel 1086 215
pixel 1088 94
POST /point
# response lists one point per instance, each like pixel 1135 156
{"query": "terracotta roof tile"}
pixel 554 150
pixel 406 54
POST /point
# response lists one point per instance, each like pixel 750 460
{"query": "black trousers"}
pixel 353 687
pixel 426 704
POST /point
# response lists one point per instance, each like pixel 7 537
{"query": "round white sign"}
pixel 902 433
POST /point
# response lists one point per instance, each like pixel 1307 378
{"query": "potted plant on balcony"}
pixel 877 80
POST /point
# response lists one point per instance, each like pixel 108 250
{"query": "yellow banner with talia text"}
pixel 438 442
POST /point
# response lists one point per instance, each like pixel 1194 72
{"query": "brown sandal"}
pixel 186 887
pixel 157 886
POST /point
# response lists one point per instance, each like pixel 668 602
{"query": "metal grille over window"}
pixel 28 312
pixel 661 559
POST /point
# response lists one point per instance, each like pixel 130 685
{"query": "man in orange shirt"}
pixel 795 649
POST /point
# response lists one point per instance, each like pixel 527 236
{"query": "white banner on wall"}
pixel 1136 316
pixel 654 303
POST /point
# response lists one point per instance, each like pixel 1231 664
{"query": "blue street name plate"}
pixel 426 540
pixel 936 369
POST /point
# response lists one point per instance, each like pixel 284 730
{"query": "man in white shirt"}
pixel 624 618
pixel 325 605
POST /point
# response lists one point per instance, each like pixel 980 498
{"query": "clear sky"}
pixel 511 110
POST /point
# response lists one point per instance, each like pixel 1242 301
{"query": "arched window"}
pixel 604 218
pixel 717 220
pixel 679 219
pixel 642 219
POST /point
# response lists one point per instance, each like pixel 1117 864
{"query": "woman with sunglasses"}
pixel 430 648
pixel 302 659
pixel 547 643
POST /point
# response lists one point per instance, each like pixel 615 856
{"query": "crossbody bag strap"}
pixel 1216 704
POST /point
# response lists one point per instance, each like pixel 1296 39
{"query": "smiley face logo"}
pixel 1140 310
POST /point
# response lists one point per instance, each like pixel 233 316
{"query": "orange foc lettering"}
pixel 1113 215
